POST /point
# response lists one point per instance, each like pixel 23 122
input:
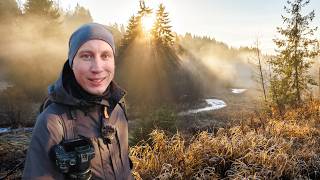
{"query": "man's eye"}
pixel 106 56
pixel 86 56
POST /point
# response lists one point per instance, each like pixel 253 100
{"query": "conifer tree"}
pixel 134 28
pixel 162 30
pixel 77 17
pixel 131 31
pixel 9 9
pixel 82 14
pixel 44 16
pixel 295 50
pixel 144 10
pixel 41 8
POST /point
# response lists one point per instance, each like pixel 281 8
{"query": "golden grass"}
pixel 285 147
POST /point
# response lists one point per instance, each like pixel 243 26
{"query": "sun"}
pixel 147 23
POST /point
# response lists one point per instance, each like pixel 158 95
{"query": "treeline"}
pixel 34 37
pixel 206 45
pixel 33 49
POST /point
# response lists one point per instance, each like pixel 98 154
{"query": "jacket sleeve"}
pixel 46 133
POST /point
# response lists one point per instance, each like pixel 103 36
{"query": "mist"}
pixel 33 50
pixel 230 67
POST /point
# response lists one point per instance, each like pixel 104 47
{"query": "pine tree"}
pixel 144 10
pixel 162 30
pixel 77 17
pixel 131 31
pixel 41 8
pixel 9 9
pixel 82 14
pixel 44 16
pixel 122 29
pixel 290 79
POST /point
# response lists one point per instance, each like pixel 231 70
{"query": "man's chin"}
pixel 96 92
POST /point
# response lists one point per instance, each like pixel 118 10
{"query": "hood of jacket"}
pixel 61 93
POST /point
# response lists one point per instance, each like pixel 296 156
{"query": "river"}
pixel 212 104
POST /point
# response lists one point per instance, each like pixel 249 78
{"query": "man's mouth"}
pixel 96 80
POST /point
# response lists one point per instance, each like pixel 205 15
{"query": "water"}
pixel 4 85
pixel 3 130
pixel 7 130
pixel 213 104
pixel 238 91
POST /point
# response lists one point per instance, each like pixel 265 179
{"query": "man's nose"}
pixel 96 65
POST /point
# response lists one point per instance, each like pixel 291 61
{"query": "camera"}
pixel 72 158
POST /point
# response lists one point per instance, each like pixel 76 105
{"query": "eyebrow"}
pixel 84 51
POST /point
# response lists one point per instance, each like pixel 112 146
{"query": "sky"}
pixel 234 22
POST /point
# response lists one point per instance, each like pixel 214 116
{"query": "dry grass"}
pixel 266 146
pixel 12 152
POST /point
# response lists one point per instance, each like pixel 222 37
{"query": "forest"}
pixel 198 108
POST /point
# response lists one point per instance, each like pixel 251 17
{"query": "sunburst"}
pixel 147 23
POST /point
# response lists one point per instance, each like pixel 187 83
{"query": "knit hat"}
pixel 85 33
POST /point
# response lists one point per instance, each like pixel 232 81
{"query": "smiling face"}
pixel 93 66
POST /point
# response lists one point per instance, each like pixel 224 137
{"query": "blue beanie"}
pixel 85 33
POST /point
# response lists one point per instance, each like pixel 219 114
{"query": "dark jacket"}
pixel 111 160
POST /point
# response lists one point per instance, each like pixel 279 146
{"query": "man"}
pixel 83 132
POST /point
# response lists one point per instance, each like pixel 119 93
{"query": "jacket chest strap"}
pixel 111 139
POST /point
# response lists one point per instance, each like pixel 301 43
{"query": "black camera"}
pixel 72 158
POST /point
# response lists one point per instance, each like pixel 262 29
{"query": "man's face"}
pixel 93 66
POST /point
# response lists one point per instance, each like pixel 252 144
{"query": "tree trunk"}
pixel 261 74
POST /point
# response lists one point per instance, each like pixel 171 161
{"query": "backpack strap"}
pixel 45 104
pixel 67 120
pixel 68 124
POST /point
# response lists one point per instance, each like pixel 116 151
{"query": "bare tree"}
pixel 259 76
